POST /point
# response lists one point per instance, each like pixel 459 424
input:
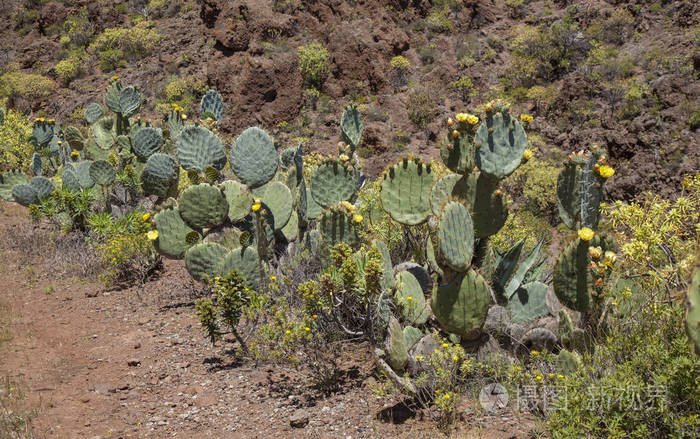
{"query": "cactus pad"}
pixel 129 101
pixel 456 186
pixel 175 124
pixel 351 126
pixel 93 112
pixel 172 234
pixel 212 103
pixel 197 148
pixel 591 194
pixel 461 306
pixel 160 171
pixel 112 96
pixel 203 206
pixel 395 346
pixel 572 279
pixel 291 230
pixel 104 132
pixel 458 154
pixel 337 226
pixel 456 236
pixel 70 178
pixel 37 164
pixel 313 209
pixel 569 194
pixel 43 133
pixel 83 172
pixel 332 183
pixel 238 198
pixel 278 199
pixel 102 172
pixel 414 310
pixel 25 194
pixel 203 261
pixel 254 157
pixel 489 213
pixel 500 142
pixel 146 142
pixel 245 260
pixel 74 137
pixel 411 335
pixel 10 179
pixel 405 191
pixel 43 187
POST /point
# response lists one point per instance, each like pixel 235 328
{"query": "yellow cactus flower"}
pixel 606 171
pixel 610 257
pixel 472 120
pixel 357 218
pixel 52 120
pixel 455 134
pixel 273 277
pixel 527 154
pixel 184 117
pixel 152 235
pixel 455 358
pixel 256 207
pixel 526 118
pixel 518 368
pixel 595 252
pixel 450 122
pixel 586 234
pixel 41 119
pixel 115 78
pixel 257 200
pixel 445 345
pixel 344 157
pixel 146 216
pixel 461 117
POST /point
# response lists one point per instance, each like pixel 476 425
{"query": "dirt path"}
pixel 134 364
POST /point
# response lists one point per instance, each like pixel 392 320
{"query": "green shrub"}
pixel 15 151
pixel 400 68
pixel 464 87
pixel 694 120
pixel 68 69
pixel 78 29
pixel 422 107
pixel 313 64
pixel 29 86
pixel 438 20
pixel 184 92
pixel 116 45
pixel 516 8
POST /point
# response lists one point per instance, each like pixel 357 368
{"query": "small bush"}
pixel 422 107
pixel 400 69
pixel 116 45
pixel 438 20
pixel 313 64
pixel 516 8
pixel 15 151
pixel 68 69
pixel 78 29
pixel 184 92
pixel 28 86
pixel 694 120
pixel 464 87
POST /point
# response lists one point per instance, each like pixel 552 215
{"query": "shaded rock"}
pixel 299 419
pixel 421 275
pixel 538 339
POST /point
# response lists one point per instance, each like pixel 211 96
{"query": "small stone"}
pixel 133 362
pixel 137 345
pixel 299 419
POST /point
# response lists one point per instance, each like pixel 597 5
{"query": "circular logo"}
pixel 493 397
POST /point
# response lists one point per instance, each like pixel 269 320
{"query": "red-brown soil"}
pixel 134 363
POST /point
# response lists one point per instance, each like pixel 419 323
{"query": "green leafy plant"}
pixel 313 64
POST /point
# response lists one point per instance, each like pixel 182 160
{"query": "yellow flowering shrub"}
pixel 15 151
pixel 29 86
pixel 658 237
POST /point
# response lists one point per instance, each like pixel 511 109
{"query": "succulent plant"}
pixel 25 194
pixel 203 206
pixel 204 260
pixel 254 157
pixel 146 142
pixel 43 187
pixel 212 103
pixel 331 183
pixel 336 225
pixel 528 302
pixel 278 199
pixel 246 261
pixel 74 137
pixel 692 317
pixel 10 179
pixel 351 126
pixel 462 305
pixel 172 234
pixel 395 346
pixel 500 142
pixel 405 191
pixel 238 198
pixel 159 174
pixel 409 294
pixel 197 148
pixel 93 112
pixel 456 236
pixel 102 172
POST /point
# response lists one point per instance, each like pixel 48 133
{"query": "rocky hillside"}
pixel 623 75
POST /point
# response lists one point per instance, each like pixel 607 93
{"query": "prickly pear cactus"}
pixel 112 96
pixel 129 101
pixel 254 157
pixel 456 187
pixel 395 346
pixel 83 172
pixel 332 183
pixel 238 198
pixel 104 132
pixel 146 142
pixel 351 126
pixel 212 103
pixel 456 236
pixel 462 305
pixel 25 194
pixel 43 186
pixel 569 194
pixel 197 148
pixel 10 179
pixel 158 175
pixel 69 178
pixel 246 261
pixel 102 172
pixel 74 137
pixel 93 112
pixel 203 206
pixel 572 279
pixel 405 191
pixel 410 296
pixel 203 261
pixel 490 212
pixel 458 153
pixel 278 199
pixel 336 225
pixel 500 142
pixel 172 234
